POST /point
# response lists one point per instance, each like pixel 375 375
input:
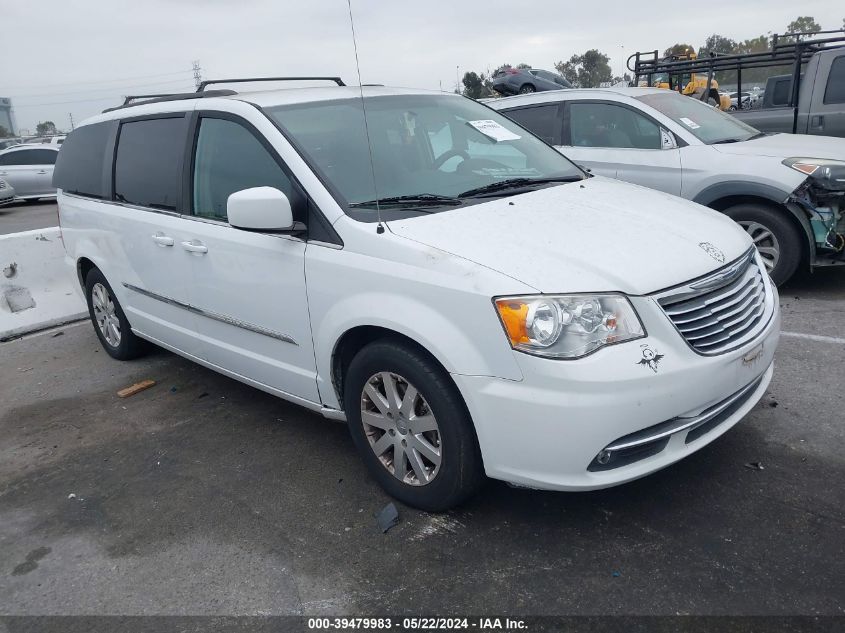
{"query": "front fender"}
pixel 480 351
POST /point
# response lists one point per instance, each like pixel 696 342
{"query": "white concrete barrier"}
pixel 37 287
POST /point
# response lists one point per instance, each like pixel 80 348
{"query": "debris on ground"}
pixel 616 574
pixel 24 369
pixel 773 404
pixel 133 389
pixel 72 495
pixel 754 466
pixel 55 334
pixel 388 517
pixel 202 395
pixel 174 389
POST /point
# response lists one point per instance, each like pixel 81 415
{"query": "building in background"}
pixel 7 120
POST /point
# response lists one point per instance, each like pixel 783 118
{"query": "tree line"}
pixel 592 68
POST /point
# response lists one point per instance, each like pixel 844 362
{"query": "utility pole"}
pixel 70 114
pixel 457 81
pixel 197 74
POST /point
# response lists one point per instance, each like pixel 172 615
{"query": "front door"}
pixel 827 106
pixel 614 140
pixel 248 287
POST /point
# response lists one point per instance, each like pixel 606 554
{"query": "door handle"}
pixel 195 246
pixel 817 120
pixel 162 240
pixel 41 172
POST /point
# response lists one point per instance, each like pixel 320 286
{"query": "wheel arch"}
pixel 725 195
pixel 83 267
pixel 355 339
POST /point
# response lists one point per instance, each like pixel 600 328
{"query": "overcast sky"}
pixel 80 56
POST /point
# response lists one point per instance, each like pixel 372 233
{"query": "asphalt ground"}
pixel 25 216
pixel 202 496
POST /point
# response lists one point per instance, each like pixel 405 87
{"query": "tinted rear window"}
pixel 781 93
pixel 79 168
pixel 148 164
pixel 835 90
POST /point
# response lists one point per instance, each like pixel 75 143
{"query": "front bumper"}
pixel 547 430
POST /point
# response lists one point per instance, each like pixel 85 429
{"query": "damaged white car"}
pixel 467 299
pixel 786 190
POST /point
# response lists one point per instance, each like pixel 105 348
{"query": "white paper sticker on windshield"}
pixel 690 123
pixel 494 130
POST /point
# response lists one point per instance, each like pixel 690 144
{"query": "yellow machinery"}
pixel 689 83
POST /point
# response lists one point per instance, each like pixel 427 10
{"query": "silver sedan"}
pixel 7 192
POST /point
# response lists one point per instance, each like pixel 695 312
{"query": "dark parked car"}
pixel 511 81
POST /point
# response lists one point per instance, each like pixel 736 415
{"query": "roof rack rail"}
pixel 201 87
pixel 129 98
pixel 179 96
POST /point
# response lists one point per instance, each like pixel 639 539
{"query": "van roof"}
pixel 261 98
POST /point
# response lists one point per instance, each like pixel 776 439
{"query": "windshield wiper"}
pixel 514 183
pixel 419 199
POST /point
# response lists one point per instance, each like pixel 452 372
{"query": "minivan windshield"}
pixel 710 125
pixel 429 152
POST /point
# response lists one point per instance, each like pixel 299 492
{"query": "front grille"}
pixel 2 185
pixel 723 310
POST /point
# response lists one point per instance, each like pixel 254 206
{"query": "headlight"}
pixel 567 326
pixel 828 173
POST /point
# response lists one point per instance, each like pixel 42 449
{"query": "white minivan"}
pixel 467 299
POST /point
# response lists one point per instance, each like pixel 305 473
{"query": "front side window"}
pixel 422 144
pixel 609 125
pixel 29 157
pixel 148 163
pixel 709 125
pixel 230 158
pixel 834 92
pixel 541 120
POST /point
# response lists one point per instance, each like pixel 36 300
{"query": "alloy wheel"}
pixel 401 428
pixel 105 315
pixel 765 241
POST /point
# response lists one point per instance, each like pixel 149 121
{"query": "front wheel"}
pixel 411 426
pixel 777 240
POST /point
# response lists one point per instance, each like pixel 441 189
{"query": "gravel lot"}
pixel 204 496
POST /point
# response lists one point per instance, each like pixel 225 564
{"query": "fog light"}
pixel 604 457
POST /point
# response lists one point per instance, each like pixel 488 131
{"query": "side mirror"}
pixel 667 139
pixel 260 209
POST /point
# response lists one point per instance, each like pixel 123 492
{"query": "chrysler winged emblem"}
pixel 714 252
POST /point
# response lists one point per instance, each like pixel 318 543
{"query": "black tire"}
pixel 129 345
pixel 525 89
pixel 786 239
pixel 460 472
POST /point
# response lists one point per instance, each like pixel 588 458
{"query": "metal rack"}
pixel 794 52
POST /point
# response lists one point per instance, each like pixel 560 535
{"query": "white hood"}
pixel 599 235
pixel 788 146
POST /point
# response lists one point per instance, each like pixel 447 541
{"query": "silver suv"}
pixel 787 191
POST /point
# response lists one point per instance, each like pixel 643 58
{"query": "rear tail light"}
pixel 512 71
